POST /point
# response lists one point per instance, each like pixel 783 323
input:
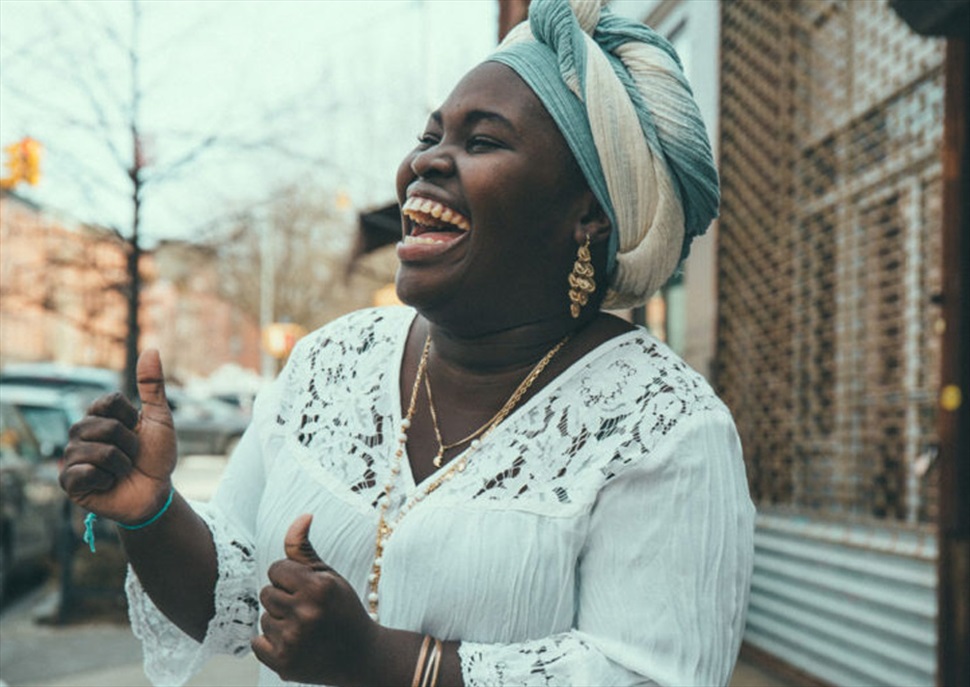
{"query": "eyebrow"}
pixel 475 116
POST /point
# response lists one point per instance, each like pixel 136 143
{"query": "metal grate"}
pixel 828 347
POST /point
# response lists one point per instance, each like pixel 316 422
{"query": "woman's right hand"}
pixel 119 464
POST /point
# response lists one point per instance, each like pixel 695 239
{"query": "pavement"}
pixel 96 648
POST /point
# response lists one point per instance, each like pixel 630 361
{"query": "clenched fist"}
pixel 118 463
pixel 315 628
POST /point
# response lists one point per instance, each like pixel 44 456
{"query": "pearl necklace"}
pixel 385 528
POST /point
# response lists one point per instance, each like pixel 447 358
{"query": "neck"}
pixel 507 350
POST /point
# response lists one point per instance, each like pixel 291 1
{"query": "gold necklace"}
pixel 385 528
pixel 502 413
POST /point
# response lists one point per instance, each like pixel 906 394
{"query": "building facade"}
pixel 813 307
pixel 828 327
pixel 62 298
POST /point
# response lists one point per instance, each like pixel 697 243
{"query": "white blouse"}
pixel 601 535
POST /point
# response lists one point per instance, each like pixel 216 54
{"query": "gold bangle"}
pixel 431 674
pixel 437 663
pixel 419 666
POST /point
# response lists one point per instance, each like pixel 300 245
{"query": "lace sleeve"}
pixel 663 578
pixel 563 659
pixel 171 656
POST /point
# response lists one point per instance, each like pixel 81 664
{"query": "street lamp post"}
pixel 267 293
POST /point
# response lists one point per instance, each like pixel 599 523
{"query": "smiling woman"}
pixel 493 157
pixel 507 485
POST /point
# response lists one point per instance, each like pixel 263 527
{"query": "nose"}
pixel 434 161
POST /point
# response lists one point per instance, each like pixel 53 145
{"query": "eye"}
pixel 428 139
pixel 482 144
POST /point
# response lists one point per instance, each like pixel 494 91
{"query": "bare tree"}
pixel 111 83
pixel 310 241
pixel 112 114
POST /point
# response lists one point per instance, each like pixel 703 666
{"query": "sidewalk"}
pixel 99 653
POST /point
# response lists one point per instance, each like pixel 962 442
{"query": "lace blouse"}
pixel 601 535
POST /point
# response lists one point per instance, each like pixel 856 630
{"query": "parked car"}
pixel 206 426
pixel 31 501
pixel 62 377
pixel 49 411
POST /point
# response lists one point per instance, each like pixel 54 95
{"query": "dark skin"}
pixel 493 304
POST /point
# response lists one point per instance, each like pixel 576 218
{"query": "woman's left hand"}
pixel 315 629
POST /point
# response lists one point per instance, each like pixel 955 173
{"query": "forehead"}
pixel 493 87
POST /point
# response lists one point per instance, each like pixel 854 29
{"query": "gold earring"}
pixel 581 282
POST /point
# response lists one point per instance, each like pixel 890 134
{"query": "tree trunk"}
pixel 134 289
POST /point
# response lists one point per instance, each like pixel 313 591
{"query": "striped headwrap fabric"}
pixel 617 91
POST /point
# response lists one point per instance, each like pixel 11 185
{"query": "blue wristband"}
pixel 88 536
pixel 152 519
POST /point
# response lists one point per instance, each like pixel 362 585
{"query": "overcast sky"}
pixel 343 87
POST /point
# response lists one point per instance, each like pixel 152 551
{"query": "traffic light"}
pixel 23 162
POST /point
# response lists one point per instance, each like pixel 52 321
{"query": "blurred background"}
pixel 215 179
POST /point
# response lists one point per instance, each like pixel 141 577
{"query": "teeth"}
pixel 418 239
pixel 433 214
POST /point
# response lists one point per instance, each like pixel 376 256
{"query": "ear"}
pixel 594 222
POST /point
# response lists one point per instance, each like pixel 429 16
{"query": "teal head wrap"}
pixel 617 91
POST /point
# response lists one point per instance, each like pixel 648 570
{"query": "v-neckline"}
pixel 397 367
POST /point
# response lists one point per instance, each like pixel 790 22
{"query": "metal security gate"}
pixel 828 332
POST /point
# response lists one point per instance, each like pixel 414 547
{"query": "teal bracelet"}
pixel 88 536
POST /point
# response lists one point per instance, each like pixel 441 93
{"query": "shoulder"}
pixel 339 357
pixel 644 389
pixel 644 376
pixel 356 332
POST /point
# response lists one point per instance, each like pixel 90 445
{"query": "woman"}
pixel 506 485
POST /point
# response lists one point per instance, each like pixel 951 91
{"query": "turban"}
pixel 617 91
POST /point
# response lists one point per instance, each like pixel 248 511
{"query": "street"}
pixel 97 653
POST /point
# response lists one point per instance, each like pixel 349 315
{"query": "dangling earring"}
pixel 581 282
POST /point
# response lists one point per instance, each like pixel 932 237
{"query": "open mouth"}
pixel 433 222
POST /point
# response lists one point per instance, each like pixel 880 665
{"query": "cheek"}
pixel 533 209
pixel 405 175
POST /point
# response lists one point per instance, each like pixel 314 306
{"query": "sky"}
pixel 239 98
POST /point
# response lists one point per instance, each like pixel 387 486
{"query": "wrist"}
pixel 166 502
pixel 390 656
pixel 159 505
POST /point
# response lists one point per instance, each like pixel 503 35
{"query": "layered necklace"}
pixel 385 527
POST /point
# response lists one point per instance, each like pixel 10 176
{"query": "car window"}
pixel 16 438
pixel 50 425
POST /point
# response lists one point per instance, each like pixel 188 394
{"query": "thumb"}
pixel 158 447
pixel 297 544
pixel 151 387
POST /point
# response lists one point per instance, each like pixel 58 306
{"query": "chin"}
pixel 417 291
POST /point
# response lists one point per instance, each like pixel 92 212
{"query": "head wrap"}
pixel 617 91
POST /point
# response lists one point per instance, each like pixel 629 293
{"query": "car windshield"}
pixel 15 438
pixel 50 425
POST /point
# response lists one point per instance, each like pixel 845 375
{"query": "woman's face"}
pixel 491 202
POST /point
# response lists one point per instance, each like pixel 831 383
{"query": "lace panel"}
pixel 165 646
pixel 561 659
pixel 608 411
pixel 336 409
